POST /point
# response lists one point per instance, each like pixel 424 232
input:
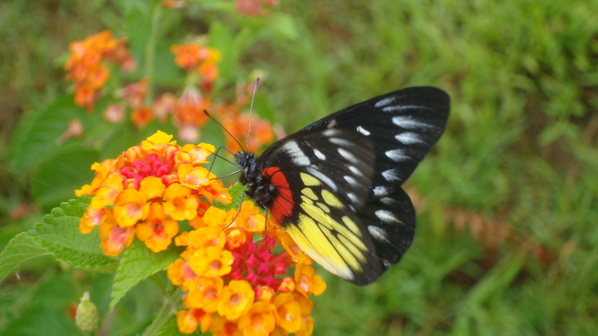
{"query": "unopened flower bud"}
pixel 86 317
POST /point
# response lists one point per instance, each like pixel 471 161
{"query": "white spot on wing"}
pixel 319 154
pixel 391 175
pixel 296 154
pixel 350 179
pixel 386 216
pixel 384 102
pixel 347 155
pixel 325 179
pixel 352 197
pixel 387 201
pixel 377 233
pixel 409 138
pixel 400 108
pixel 363 130
pixel 397 155
pixel 354 170
pixel 380 191
pixel 411 123
pixel 331 132
pixel 340 142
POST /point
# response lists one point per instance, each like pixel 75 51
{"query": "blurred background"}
pixel 507 201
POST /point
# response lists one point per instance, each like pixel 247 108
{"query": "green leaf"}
pixel 19 249
pixel 137 263
pixel 38 133
pixel 236 192
pixel 65 170
pixel 170 328
pixel 137 25
pixel 285 25
pixel 164 322
pixel 59 234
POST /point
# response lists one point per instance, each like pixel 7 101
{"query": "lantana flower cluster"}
pixel 195 57
pixel 87 69
pixel 86 65
pixel 235 279
pixel 235 285
pixel 147 190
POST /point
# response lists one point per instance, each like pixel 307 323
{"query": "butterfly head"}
pixel 258 187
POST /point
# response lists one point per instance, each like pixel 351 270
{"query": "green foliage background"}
pixel 507 202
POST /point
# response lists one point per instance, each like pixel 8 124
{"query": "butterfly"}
pixel 335 185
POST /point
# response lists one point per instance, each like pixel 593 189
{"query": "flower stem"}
pixel 165 314
pixel 150 51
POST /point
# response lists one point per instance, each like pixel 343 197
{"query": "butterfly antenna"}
pixel 224 128
pixel 257 81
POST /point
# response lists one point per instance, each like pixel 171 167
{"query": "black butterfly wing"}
pixel 403 125
pixel 328 172
pixel 356 158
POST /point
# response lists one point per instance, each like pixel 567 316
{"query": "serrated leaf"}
pixel 170 328
pixel 59 234
pixel 138 263
pixel 65 170
pixel 19 249
pixel 36 136
pixel 164 323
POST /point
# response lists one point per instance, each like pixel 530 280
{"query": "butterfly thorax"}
pixel 258 186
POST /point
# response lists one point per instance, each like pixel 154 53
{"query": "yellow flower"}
pixel 260 320
pixel 211 262
pixel 204 294
pixel 222 327
pixel 288 312
pixel 217 217
pixel 158 138
pixel 194 177
pixel 307 280
pixel 152 187
pixel 179 203
pixel 115 238
pixel 189 320
pixel 208 236
pixel 198 154
pixel 157 230
pixel 130 207
pixel 235 299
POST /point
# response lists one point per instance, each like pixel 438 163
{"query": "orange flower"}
pixel 141 116
pixel 140 191
pixel 189 109
pixel 211 262
pixel 288 312
pixel 189 320
pixel 208 236
pixel 115 238
pixel 130 207
pixel 157 230
pixel 260 320
pixel 204 294
pixel 179 203
pixel 237 124
pixel 186 55
pixel 193 56
pixel 234 283
pixel 86 64
pixel 236 299
pixel 307 280
pixel 224 327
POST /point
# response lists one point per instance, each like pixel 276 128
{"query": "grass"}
pixel 507 201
